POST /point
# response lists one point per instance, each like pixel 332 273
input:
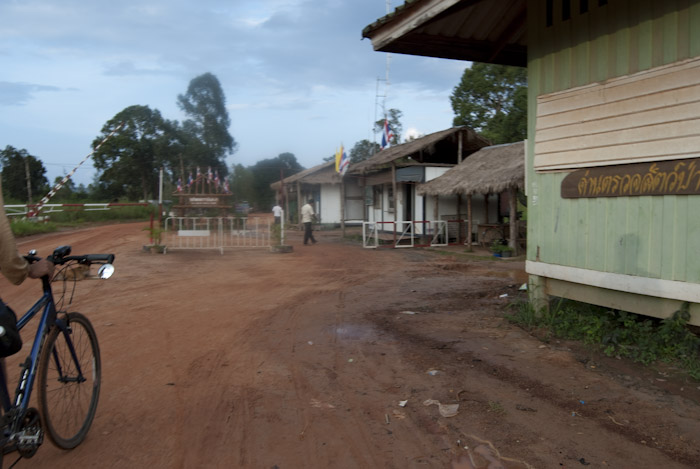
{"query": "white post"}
pixel 160 191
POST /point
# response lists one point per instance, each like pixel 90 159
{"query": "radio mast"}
pixel 380 97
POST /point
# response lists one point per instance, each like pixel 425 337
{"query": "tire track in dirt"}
pixel 498 382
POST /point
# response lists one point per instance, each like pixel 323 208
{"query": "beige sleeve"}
pixel 12 265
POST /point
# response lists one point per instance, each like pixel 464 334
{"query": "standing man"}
pixel 307 218
pixel 277 212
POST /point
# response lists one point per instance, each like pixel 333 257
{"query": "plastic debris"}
pixel 350 360
pixel 503 295
pixel 446 410
pixel 523 287
pixel 408 312
pixel 310 342
pixel 403 403
pixel 432 372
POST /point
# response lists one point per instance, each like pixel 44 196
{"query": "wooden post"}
pixel 459 147
pixel 513 202
pixel 469 221
pixel 486 208
pixel 299 204
pixel 342 207
pixel 459 216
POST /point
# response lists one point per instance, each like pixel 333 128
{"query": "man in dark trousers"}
pixel 307 218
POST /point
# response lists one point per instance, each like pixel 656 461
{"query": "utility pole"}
pixel 29 182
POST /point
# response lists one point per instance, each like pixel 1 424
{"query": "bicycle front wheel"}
pixel 69 389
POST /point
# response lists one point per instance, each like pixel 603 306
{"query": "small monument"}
pixel 205 191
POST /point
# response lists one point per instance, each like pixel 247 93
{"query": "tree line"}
pixel 491 99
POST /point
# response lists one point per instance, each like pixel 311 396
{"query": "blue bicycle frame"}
pixel 48 318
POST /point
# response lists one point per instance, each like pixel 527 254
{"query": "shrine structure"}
pixel 205 191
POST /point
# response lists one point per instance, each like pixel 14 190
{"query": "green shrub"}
pixel 618 333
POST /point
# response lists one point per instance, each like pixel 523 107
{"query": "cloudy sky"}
pixel 296 74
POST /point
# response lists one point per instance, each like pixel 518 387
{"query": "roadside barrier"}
pixel 405 234
pixel 217 233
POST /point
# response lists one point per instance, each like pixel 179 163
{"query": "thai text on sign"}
pixel 676 177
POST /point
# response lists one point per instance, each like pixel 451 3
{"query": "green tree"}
pixel 363 150
pixel 14 175
pixel 129 161
pixel 207 140
pixel 67 192
pixel 394 117
pixel 242 183
pixel 492 99
pixel 270 170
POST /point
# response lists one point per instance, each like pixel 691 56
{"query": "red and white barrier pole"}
pixel 35 211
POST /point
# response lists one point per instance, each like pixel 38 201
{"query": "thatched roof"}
pixel 320 174
pixel 438 148
pixel 491 170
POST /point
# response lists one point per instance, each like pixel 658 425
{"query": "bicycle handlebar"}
pixel 61 255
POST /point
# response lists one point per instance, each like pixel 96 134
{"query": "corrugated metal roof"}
pixel 323 173
pixel 491 31
pixel 439 147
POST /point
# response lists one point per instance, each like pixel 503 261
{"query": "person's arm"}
pixel 12 265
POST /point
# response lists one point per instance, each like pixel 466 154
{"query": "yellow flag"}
pixel 338 156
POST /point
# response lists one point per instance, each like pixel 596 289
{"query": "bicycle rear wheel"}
pixel 68 393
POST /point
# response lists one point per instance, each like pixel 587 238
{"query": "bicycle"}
pixel 64 363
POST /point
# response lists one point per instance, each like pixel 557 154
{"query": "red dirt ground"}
pixel 300 360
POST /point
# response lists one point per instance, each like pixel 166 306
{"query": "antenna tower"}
pixel 380 97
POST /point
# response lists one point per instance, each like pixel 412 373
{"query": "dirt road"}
pixel 302 360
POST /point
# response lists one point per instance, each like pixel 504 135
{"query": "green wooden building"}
pixel 613 149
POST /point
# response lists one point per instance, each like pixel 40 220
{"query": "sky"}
pixel 297 75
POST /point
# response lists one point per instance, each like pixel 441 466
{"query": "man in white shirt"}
pixel 277 212
pixel 307 218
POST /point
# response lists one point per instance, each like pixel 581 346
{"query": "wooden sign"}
pixel 675 177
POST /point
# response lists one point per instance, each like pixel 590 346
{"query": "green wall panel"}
pixel 656 236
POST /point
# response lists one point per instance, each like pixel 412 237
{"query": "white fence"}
pixel 218 232
pixel 405 234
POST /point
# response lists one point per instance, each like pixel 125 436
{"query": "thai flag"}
pixel 217 181
pixel 387 135
pixel 227 189
pixel 209 175
pixel 179 184
pixel 344 162
pixel 190 181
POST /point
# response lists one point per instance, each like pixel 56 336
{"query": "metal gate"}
pixel 217 232
pixel 404 234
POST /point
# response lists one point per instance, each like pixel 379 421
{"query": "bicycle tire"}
pixel 68 408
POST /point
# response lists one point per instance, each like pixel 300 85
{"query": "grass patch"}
pixel 618 333
pixel 25 228
pixel 72 218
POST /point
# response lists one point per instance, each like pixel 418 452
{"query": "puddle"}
pixel 486 456
pixel 356 332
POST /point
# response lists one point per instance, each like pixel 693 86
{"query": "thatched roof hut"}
pixel 491 170
pixel 437 148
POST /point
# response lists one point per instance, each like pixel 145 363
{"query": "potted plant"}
pixel 276 242
pixel 155 236
pixel 500 249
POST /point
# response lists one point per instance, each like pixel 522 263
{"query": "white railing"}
pixel 405 234
pixel 218 233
